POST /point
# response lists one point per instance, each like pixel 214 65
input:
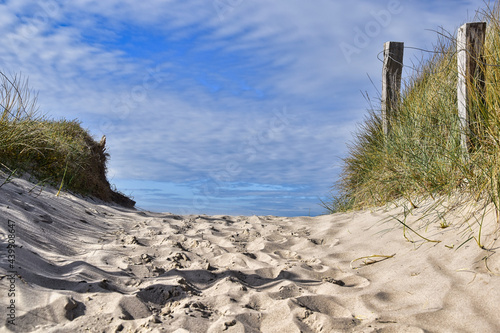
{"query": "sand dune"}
pixel 82 266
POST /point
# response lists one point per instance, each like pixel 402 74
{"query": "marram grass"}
pixel 422 157
pixel 57 152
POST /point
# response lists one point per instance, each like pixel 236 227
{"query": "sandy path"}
pixel 87 267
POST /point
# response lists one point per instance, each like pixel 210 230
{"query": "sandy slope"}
pixel 86 267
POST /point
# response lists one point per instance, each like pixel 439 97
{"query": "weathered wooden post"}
pixel 470 41
pixel 391 81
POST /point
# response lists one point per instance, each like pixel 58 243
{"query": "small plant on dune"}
pixel 422 157
pixel 443 224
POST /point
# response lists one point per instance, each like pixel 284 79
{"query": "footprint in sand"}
pixel 61 310
pixel 286 291
pixel 323 314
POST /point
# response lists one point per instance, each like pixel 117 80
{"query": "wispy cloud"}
pixel 256 98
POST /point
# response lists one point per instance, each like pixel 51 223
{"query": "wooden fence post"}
pixel 391 81
pixel 470 41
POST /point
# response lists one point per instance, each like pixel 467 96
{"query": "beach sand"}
pixel 84 266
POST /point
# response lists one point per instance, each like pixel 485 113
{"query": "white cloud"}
pixel 202 100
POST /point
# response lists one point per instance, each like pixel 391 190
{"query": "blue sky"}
pixel 233 107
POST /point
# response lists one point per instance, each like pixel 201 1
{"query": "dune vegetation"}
pixel 55 152
pixel 422 157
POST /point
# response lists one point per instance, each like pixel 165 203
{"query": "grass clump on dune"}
pixel 422 157
pixel 56 152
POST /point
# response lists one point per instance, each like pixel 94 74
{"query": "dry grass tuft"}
pixel 422 158
pixel 56 152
